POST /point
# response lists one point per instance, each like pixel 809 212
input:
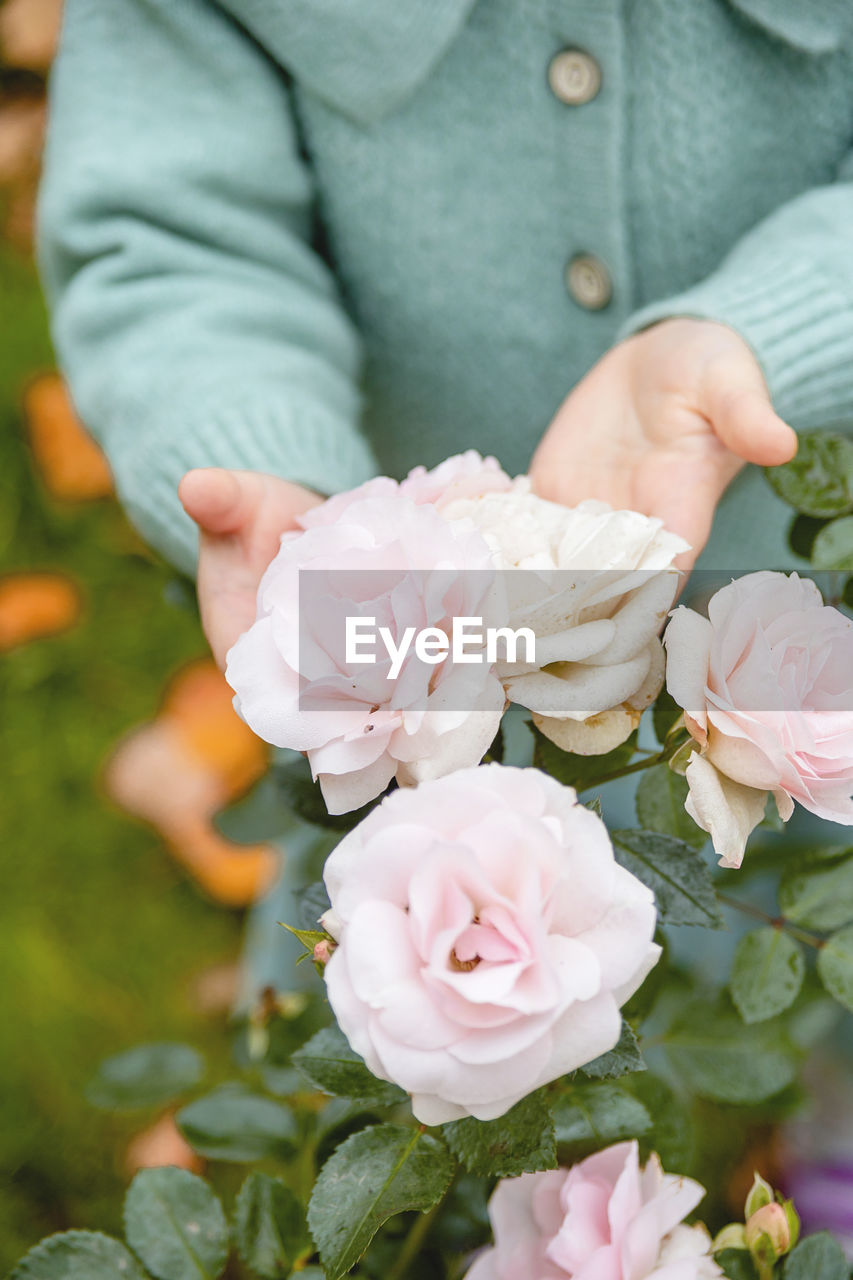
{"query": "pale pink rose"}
pixel 487 939
pixel 765 684
pixel 603 1219
pixel 596 589
pixel 465 475
pixel 402 564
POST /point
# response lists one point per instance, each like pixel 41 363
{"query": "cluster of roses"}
pixel 485 936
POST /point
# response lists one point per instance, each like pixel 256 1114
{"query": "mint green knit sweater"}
pixel 328 237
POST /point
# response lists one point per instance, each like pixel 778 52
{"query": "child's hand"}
pixel 661 425
pixel 241 515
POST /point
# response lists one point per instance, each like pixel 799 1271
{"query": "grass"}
pixel 101 933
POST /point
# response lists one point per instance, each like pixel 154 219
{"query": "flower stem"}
pixel 650 762
pixel 413 1241
pixel 775 922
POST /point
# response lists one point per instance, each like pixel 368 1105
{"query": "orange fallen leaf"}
pixel 34 605
pixel 177 771
pixel 162 1144
pixel 71 464
pixel 29 33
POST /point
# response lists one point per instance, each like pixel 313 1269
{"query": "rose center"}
pixel 463 966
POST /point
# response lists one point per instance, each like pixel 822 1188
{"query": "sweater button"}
pixel 588 282
pixel 574 77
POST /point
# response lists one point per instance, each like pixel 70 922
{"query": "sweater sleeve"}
pixel 195 323
pixel 787 288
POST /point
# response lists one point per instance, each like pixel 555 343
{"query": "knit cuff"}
pixel 305 444
pixel 797 321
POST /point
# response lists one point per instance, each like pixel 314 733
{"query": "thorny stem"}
pixel 776 922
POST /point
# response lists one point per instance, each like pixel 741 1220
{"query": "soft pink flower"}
pixel 381 556
pixel 765 684
pixel 487 939
pixel 465 475
pixel 603 1219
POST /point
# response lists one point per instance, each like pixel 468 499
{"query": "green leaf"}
pixel 621 1060
pixel 767 974
pixel 673 870
pixel 817 891
pixel 720 1058
pixel 818 1257
pixel 176 1225
pixel 232 1123
pixel 665 712
pixel 819 480
pixel 78 1255
pixel 835 966
pixel 591 1116
pixel 270 1227
pixel 802 534
pixel 378 1172
pixel 580 772
pixel 146 1076
pixel 673 1125
pixel 737 1264
pixel 311 903
pixel 660 806
pixel 833 546
pixel 329 1063
pixel 522 1141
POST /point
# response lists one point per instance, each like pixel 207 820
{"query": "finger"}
pixel 743 417
pixel 221 502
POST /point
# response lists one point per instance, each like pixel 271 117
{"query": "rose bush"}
pixel 596 588
pixel 765 685
pixel 604 1219
pixel 486 939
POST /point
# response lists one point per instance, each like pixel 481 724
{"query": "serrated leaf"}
pixel 270 1228
pixel 175 1224
pixel 78 1255
pixel 817 890
pixel 145 1076
pixel 328 1062
pixel 719 1057
pixel 580 772
pixel 819 480
pixel 672 1134
pixel 674 871
pixel 380 1171
pixel 835 966
pixel 232 1123
pixel 818 1257
pixel 522 1141
pixel 833 546
pixel 621 1060
pixel 592 1116
pixel 737 1264
pixel 660 800
pixel 311 903
pixel 767 973
pixel 802 533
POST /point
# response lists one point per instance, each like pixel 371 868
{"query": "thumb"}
pixel 738 405
pixel 221 502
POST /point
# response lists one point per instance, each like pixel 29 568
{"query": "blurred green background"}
pixel 105 940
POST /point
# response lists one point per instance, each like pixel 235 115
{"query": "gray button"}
pixel 588 281
pixel 574 77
